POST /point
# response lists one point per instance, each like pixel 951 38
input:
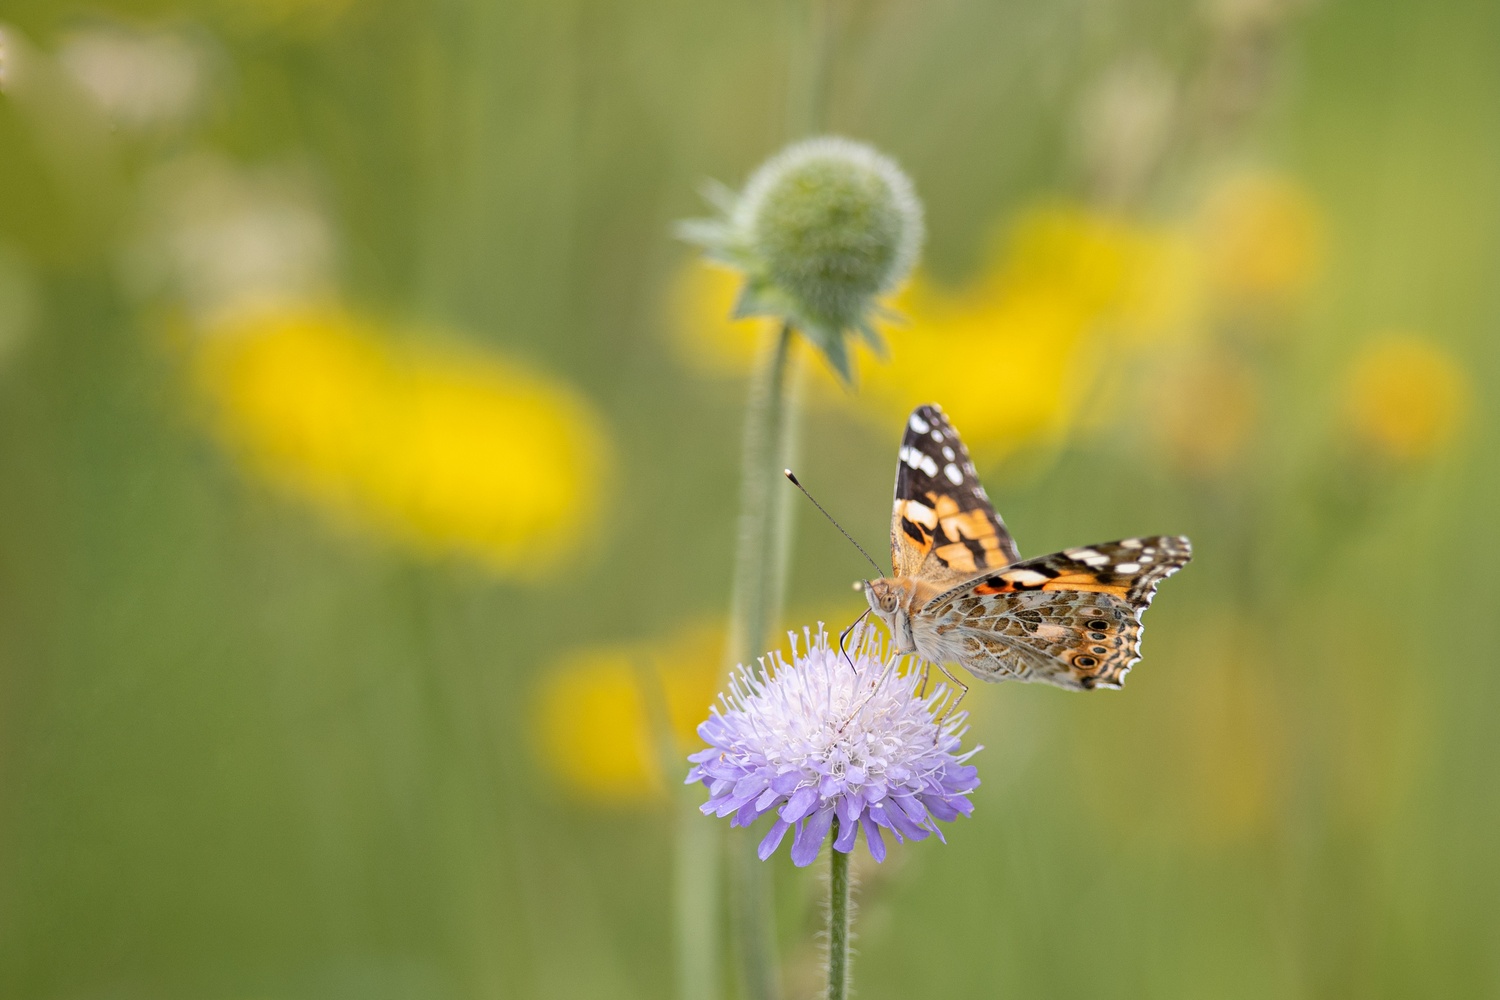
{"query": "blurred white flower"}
pixel 138 79
pixel 1124 124
pixel 221 237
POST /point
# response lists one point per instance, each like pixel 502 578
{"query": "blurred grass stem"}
pixel 809 100
pixel 838 920
pixel 760 577
pixel 696 901
pixel 695 875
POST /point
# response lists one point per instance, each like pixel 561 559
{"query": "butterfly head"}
pixel 890 599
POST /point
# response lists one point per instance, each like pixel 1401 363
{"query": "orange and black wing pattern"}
pixel 943 527
pixel 1072 618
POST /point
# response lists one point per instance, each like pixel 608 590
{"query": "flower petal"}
pixel 844 842
pixel 772 839
pixel 873 838
pixel 747 814
pixel 803 801
pixel 810 836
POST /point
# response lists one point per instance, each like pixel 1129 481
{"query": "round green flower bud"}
pixel 820 231
pixel 831 224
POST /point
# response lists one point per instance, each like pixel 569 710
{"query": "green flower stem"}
pixel 760 575
pixel 838 920
pixel 761 555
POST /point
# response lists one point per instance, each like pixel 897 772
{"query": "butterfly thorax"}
pixel 896 600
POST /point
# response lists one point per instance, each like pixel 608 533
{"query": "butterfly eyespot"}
pixel 1084 661
pixel 1098 625
pixel 1098 635
pixel 1100 650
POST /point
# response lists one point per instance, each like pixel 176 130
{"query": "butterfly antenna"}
pixel 844 637
pixel 878 571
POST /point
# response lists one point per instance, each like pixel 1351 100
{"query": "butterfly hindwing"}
pixel 1071 618
pixel 943 527
pixel 1129 569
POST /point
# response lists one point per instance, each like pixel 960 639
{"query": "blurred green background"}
pixel 363 432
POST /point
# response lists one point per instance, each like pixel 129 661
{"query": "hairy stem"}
pixel 760 558
pixel 838 921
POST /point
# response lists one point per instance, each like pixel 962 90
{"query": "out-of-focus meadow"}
pixel 369 457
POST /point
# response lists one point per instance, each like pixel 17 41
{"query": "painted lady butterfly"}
pixel 960 592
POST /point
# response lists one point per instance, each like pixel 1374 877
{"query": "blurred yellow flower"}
pixel 1013 355
pixel 440 448
pixel 1405 397
pixel 1263 240
pixel 594 720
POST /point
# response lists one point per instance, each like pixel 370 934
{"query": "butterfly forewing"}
pixel 943 527
pixel 1071 618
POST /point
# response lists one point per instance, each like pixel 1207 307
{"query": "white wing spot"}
pixel 918 513
pixel 918 424
pixel 1088 557
pixel 1146 559
pixel 1127 568
pixel 948 453
pixel 952 472
pixel 1131 543
pixel 937 436
pixel 917 460
pixel 1026 577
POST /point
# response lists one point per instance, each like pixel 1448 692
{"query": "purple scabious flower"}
pixel 816 739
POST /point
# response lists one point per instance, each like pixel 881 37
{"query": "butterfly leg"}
pixel 844 635
pixel 926 673
pixel 879 683
pixel 963 690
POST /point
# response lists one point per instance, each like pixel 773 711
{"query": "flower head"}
pixel 1405 397
pixel 817 739
pixel 1263 240
pixel 820 230
pixel 420 443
